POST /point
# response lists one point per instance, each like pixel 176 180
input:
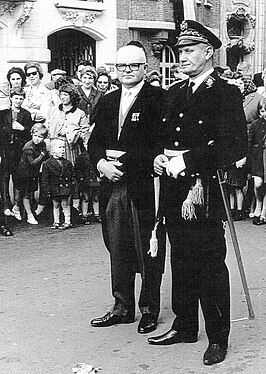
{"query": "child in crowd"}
pixel 88 186
pixel 58 182
pixel 257 162
pixel 26 178
pixel 16 123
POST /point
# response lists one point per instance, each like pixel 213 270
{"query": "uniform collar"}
pixel 200 79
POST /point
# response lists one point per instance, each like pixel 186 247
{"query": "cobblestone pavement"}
pixel 53 283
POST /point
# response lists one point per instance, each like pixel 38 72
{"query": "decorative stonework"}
pixel 241 14
pixel 157 47
pixel 7 7
pixel 26 13
pixel 206 3
pixel 240 30
pixel 78 18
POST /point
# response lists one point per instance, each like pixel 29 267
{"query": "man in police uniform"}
pixel 122 147
pixel 204 130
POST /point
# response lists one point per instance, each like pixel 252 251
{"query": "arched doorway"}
pixel 68 47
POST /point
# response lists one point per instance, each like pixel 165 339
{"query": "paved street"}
pixel 53 283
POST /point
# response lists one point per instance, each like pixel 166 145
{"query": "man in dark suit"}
pixel 204 130
pixel 122 147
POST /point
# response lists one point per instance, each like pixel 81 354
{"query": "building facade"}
pixel 60 33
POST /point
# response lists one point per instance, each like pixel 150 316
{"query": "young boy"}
pixel 15 124
pixel 88 187
pixel 58 182
pixel 26 178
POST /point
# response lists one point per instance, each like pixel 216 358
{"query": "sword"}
pixel 235 242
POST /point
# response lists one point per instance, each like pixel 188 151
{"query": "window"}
pixel 167 60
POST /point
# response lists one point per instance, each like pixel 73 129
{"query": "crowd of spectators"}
pixel 36 115
pixel 65 108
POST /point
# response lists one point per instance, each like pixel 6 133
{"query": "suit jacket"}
pixel 15 139
pixel 251 110
pixel 256 140
pixel 57 180
pixel 212 127
pixel 138 138
pixel 89 104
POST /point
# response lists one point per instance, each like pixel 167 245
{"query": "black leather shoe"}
pixel 214 354
pixel 147 323
pixel 172 337
pixel 4 230
pixel 110 319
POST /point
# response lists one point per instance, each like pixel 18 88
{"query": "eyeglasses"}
pixel 32 73
pixel 133 67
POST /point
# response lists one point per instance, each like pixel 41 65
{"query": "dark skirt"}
pixel 236 177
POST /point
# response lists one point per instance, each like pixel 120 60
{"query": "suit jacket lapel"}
pixel 55 164
pixel 136 106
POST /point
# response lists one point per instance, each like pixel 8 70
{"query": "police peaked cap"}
pixel 192 32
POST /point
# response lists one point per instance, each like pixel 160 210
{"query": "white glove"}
pixel 241 162
pixel 175 166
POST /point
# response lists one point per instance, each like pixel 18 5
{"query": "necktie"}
pixel 190 90
pixel 126 101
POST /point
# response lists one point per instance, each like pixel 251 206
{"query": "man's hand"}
pixel 17 126
pixel 110 171
pixel 160 163
pixel 241 162
pixel 175 166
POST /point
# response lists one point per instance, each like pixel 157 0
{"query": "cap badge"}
pixel 183 26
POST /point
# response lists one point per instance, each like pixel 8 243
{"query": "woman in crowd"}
pixel 55 92
pixel 71 124
pixel 251 109
pixel 257 162
pixel 236 176
pixel 16 77
pixel 104 83
pixel 38 97
pixel 88 93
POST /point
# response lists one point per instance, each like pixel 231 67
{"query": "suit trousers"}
pixel 127 257
pixel 199 274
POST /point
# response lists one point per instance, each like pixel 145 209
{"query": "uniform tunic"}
pixel 211 127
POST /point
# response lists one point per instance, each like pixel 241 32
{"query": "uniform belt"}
pixel 173 152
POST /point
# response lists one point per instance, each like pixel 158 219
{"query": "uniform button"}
pixel 214 177
pixel 164 119
pixel 66 185
pixel 176 144
pixel 181 115
pixel 197 174
pixel 182 174
pixel 61 185
pixel 193 175
pixel 178 129
pixel 200 122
